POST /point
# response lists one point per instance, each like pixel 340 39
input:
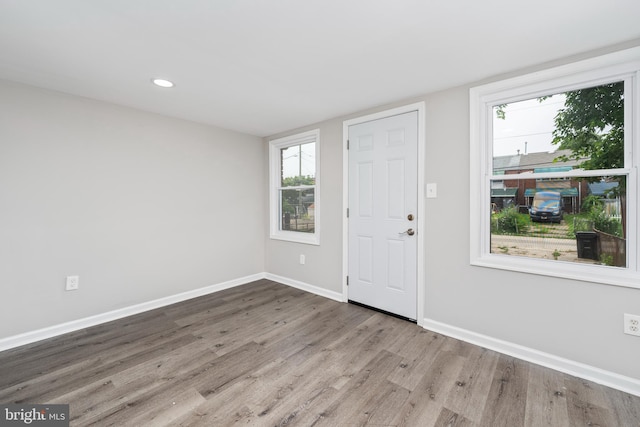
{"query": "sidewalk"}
pixel 537 247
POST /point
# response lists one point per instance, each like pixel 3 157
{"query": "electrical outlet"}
pixel 631 324
pixel 302 259
pixel 73 282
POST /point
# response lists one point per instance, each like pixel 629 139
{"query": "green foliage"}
pixel 540 229
pixel 294 181
pixel 500 113
pixel 592 125
pixel 579 222
pixel 292 198
pixel 592 203
pixel 509 221
pixel 606 259
pixel 595 217
pixel 606 224
pixel 286 206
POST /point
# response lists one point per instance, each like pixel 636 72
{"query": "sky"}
pixel 528 121
pixel 299 160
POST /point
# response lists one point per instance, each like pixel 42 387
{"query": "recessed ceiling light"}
pixel 162 83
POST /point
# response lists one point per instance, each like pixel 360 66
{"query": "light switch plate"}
pixel 432 190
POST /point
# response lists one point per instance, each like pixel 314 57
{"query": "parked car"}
pixel 546 207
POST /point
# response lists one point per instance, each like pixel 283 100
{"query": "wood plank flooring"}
pixel 265 354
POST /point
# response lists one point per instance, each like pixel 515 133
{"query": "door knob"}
pixel 410 232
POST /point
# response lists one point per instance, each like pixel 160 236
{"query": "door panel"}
pixel 395 187
pixel 382 193
pixel 365 259
pixel 365 180
pixel 395 269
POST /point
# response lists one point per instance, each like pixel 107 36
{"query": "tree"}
pixel 292 198
pixel 591 125
pixel 294 181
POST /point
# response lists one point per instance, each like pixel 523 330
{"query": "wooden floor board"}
pixel 449 418
pixel 627 409
pixel 546 399
pixel 472 384
pixel 506 401
pixel 98 340
pixel 265 354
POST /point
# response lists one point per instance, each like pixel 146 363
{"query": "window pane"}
pixel 575 220
pixel 298 165
pixel 298 210
pixel 578 129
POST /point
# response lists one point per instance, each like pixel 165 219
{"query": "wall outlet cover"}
pixel 632 324
pixel 73 282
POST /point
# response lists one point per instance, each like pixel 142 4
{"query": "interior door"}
pixel 383 203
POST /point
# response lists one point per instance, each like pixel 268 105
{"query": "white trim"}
pixel 345 206
pixel 422 220
pixel 336 296
pixel 420 107
pixel 623 65
pixel 74 325
pixel 573 173
pixel 274 177
pixel 607 378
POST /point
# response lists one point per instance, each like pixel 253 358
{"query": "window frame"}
pixel 619 66
pixel 275 168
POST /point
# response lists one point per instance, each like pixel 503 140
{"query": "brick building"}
pixel 519 191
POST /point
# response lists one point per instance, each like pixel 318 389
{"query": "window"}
pixel 554 188
pixel 294 187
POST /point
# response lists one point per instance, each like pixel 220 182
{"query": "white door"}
pixel 383 204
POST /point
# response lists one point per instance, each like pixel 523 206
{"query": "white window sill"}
pixel 296 237
pixel 602 274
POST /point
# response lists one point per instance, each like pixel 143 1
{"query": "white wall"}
pixel 140 206
pixel 581 322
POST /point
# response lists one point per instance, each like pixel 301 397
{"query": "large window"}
pixel 295 207
pixel 554 188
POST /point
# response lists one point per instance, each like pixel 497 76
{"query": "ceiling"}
pixel 267 66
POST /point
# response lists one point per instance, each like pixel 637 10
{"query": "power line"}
pixel 523 135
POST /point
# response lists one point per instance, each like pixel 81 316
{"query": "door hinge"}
pixel 347 280
pixel 347 144
pixel 347 212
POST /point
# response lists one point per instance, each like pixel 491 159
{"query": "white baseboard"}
pixel 571 367
pixel 74 325
pixel 336 296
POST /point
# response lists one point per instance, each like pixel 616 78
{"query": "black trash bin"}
pixel 587 244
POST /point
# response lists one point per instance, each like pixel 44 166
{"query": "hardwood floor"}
pixel 266 354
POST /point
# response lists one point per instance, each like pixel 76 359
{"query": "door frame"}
pixel 420 285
